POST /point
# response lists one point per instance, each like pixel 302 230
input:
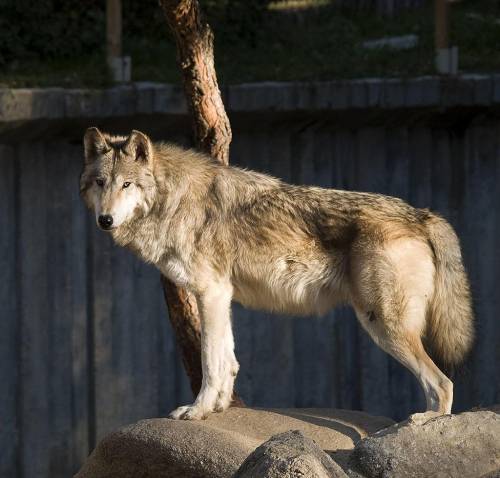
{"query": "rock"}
pixel 288 455
pixel 464 445
pixel 217 446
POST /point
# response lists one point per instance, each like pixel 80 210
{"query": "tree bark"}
pixel 212 131
pixel 195 55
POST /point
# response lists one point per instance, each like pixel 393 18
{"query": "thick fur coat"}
pixel 231 234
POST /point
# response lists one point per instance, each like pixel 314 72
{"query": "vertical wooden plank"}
pixel 420 146
pixel 494 365
pixel 374 362
pixel 313 336
pixel 79 307
pixel 279 159
pixel 398 163
pixel 302 154
pixel 102 415
pixel 167 359
pixel 346 337
pixel 442 173
pixel 9 318
pixel 322 388
pixel 123 289
pixel 35 317
pixel 279 163
pixel 482 252
pixel 59 218
pixel 131 343
pixel 145 337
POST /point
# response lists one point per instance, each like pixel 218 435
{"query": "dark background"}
pixel 85 342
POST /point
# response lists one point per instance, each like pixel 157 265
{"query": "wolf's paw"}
pixel 223 401
pixel 189 412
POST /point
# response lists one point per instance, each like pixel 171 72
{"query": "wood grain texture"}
pixel 35 314
pixel 195 56
pixel 9 315
pixel 85 347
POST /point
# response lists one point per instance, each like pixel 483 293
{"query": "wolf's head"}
pixel 117 181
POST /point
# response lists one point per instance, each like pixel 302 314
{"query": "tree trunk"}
pixel 195 55
pixel 212 131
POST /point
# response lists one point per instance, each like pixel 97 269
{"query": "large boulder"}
pixel 217 446
pixel 463 445
pixel 289 455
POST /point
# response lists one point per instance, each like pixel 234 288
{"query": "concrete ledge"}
pixel 20 105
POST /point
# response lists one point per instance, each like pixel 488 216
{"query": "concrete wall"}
pixel 85 344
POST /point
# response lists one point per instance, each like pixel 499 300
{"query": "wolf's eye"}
pixel 100 182
pixel 126 184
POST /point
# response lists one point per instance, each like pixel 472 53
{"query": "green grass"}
pixel 319 43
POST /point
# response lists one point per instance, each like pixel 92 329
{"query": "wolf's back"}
pixel 450 322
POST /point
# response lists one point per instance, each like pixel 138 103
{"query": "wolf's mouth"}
pixel 107 229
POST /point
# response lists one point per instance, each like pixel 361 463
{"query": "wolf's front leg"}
pixel 218 362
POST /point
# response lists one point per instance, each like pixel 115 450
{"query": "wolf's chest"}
pixel 175 270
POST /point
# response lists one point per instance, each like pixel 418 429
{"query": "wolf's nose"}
pixel 105 221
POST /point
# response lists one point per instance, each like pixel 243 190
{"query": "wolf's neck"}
pixel 158 233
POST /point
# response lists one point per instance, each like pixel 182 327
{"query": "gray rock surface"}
pixel 463 445
pixel 288 455
pixel 217 446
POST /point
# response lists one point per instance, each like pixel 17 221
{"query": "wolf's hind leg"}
pixel 215 310
pixel 392 287
pixel 405 345
pixel 438 388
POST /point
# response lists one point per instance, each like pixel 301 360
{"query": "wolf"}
pixel 226 234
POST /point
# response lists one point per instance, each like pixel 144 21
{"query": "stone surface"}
pixel 148 98
pixel 463 445
pixel 217 446
pixel 288 455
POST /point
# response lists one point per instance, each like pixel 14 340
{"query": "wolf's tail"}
pixel 450 323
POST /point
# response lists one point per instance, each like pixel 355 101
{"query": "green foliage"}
pixel 48 29
pixel 236 20
pixel 53 42
pixel 55 29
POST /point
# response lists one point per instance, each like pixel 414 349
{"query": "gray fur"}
pixel 231 234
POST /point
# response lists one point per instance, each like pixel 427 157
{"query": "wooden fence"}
pixel 85 343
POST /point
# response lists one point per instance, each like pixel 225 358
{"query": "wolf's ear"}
pixel 94 143
pixel 139 146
